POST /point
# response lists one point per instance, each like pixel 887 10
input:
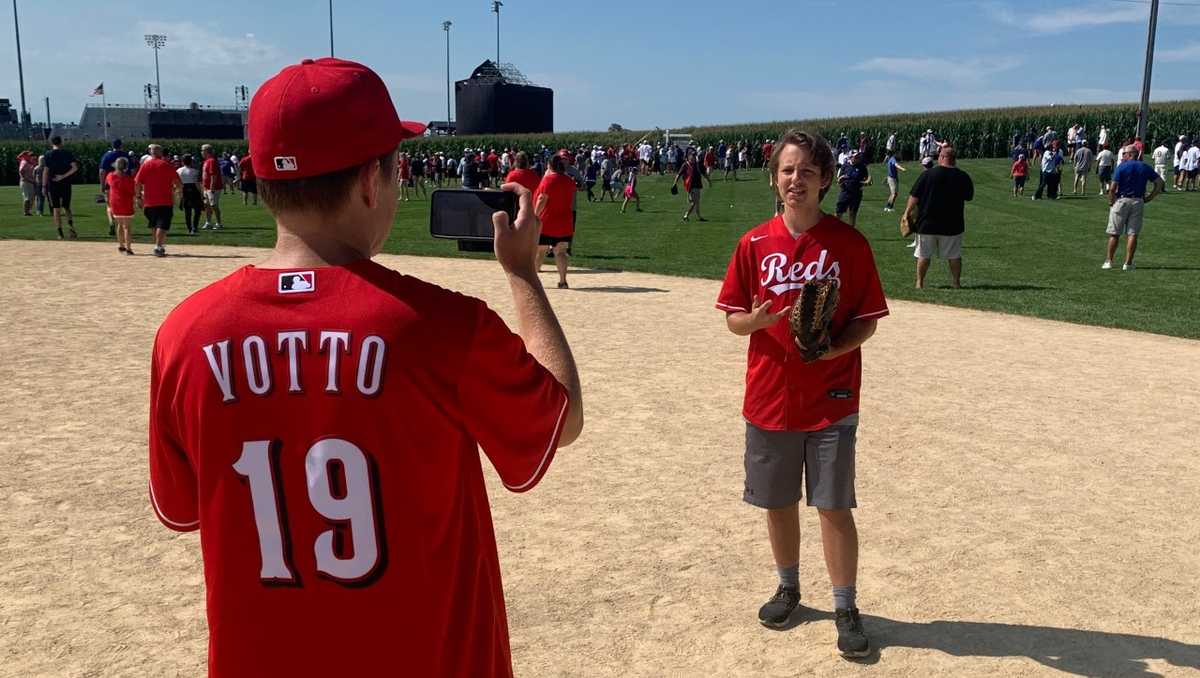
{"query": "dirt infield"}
pixel 1028 490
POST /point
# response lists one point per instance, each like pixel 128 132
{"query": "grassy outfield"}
pixel 1023 257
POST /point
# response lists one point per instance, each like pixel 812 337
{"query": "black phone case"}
pixel 466 214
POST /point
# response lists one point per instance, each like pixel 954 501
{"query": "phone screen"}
pixel 464 214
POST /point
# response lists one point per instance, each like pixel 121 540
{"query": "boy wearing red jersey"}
pixel 801 418
pixel 318 417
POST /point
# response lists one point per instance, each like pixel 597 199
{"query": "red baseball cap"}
pixel 320 116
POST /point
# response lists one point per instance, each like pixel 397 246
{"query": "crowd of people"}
pixel 1052 153
pixel 605 165
pixel 194 184
pixel 603 172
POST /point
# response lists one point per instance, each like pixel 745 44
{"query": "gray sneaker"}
pixel 160 251
pixel 852 639
pixel 778 610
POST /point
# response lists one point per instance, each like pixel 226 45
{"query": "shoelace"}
pixel 855 621
pixel 781 594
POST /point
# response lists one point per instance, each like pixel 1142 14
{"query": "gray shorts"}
pixel 777 462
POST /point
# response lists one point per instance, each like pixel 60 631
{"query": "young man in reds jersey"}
pixel 801 418
pixel 318 417
pixel 213 183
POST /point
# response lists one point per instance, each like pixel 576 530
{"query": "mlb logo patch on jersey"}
pixel 291 283
pixel 285 163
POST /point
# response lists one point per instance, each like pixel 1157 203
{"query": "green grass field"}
pixel 1030 258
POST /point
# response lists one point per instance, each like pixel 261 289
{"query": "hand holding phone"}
pixel 517 239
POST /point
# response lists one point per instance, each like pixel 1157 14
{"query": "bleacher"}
pixel 124 122
pixel 128 121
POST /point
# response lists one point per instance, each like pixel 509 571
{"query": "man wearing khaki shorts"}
pixel 213 183
pixel 935 205
pixel 1127 198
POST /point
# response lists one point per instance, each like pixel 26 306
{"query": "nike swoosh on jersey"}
pixel 757 238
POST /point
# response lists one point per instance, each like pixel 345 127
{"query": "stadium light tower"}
pixel 446 27
pixel 1144 111
pixel 496 5
pixel 156 42
pixel 20 72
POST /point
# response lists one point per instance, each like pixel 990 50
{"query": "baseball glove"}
pixel 905 226
pixel 812 318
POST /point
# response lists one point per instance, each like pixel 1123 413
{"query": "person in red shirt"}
pixel 767 147
pixel 1019 172
pixel 212 183
pixel 246 180
pixel 631 191
pixel 493 165
pixel 323 432
pixel 552 203
pixel 156 188
pixel 522 175
pixel 801 417
pixel 120 202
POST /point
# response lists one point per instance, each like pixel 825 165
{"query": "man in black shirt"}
pixel 936 200
pixel 851 178
pixel 56 182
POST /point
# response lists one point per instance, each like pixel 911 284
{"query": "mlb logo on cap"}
pixel 291 283
pixel 285 163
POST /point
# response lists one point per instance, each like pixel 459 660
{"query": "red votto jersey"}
pixel 783 393
pixel 320 429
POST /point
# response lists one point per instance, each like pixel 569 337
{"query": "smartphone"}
pixel 465 214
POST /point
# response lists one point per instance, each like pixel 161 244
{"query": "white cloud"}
pixel 201 47
pixel 1186 53
pixel 1071 18
pixel 1065 19
pixel 963 72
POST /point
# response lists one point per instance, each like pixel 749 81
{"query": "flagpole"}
pixel 104 107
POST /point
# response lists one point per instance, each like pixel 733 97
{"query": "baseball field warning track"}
pixel 1028 489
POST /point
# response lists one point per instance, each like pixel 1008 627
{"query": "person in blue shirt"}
pixel 893 181
pixel 1127 199
pixel 851 178
pixel 1048 180
pixel 106 165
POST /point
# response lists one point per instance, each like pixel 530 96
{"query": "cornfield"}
pixel 980 133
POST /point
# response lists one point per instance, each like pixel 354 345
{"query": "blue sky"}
pixel 638 63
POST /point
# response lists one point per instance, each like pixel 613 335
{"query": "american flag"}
pixel 99 91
